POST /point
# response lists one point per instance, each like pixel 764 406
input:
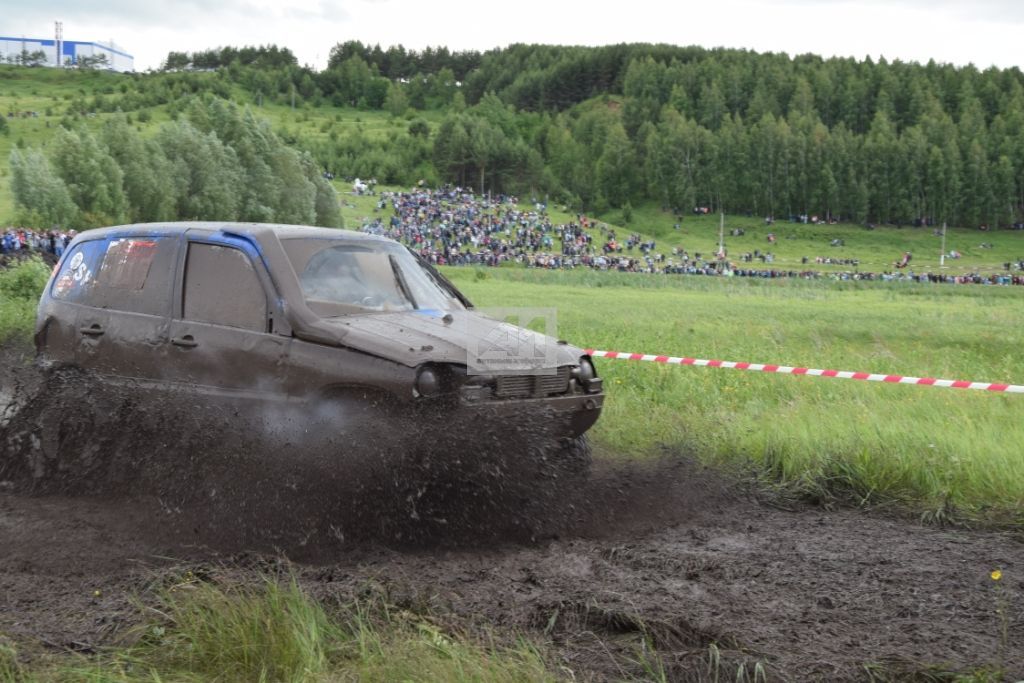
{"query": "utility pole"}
pixel 721 236
pixel 59 36
pixel 942 256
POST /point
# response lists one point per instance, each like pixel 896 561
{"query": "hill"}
pixel 640 134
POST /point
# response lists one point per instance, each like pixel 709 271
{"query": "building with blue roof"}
pixel 65 52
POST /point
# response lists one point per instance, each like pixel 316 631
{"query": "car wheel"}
pixel 574 455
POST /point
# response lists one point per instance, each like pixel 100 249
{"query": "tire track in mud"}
pixel 662 551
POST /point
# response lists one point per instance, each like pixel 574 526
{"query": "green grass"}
pixel 944 452
pixel 876 249
pixel 276 632
pixel 20 287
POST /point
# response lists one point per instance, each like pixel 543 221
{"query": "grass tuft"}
pixel 200 631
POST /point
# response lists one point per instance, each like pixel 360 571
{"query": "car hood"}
pixel 462 337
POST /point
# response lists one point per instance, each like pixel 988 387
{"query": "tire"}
pixel 574 455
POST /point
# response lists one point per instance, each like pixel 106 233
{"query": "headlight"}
pixel 428 383
pixel 584 372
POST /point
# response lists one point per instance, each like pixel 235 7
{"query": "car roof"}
pixel 250 229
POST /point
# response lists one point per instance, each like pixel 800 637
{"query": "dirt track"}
pixel 664 550
pixel 811 594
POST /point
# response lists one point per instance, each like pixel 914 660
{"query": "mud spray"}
pixel 311 479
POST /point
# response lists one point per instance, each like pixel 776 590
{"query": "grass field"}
pixel 943 452
pixel 940 451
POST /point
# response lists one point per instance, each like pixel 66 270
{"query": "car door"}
pixel 122 325
pixel 57 334
pixel 221 334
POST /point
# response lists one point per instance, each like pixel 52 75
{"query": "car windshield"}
pixel 339 277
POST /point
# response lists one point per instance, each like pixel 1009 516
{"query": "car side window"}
pixel 136 275
pixel 132 274
pixel 221 287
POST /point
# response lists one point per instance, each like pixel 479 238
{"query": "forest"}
pixel 215 162
pixel 597 128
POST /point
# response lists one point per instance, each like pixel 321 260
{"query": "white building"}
pixel 69 51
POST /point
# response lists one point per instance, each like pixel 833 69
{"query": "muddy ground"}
pixel 663 550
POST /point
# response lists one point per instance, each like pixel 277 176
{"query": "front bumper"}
pixel 568 415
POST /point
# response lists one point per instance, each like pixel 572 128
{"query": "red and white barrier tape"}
pixel 783 369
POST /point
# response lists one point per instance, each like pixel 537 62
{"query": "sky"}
pixel 982 32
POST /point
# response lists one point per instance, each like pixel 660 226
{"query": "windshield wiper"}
pixel 400 279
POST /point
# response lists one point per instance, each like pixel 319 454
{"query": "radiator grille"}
pixel 538 386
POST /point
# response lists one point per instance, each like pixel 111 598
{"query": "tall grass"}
pixel 11 670
pixel 944 451
pixel 277 632
pixel 20 287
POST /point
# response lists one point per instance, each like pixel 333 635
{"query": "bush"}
pixel 25 280
pixel 20 287
pixel 419 128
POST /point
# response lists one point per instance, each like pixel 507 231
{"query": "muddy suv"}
pixel 251 311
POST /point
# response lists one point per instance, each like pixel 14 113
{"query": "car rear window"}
pixel 77 273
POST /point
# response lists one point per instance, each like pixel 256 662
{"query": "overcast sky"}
pixel 982 32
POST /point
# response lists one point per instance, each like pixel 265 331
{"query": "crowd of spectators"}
pixel 22 240
pixel 454 226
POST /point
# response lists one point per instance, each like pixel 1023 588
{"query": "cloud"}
pixel 1002 11
pixel 183 15
pixel 982 31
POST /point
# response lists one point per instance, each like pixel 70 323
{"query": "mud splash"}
pixel 662 553
pixel 313 480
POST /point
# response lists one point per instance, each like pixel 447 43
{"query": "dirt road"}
pixel 664 550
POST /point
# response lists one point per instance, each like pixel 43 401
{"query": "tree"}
pixel 326 208
pixel 396 102
pixel 176 61
pixel 26 58
pixel 616 172
pixel 100 61
pixel 39 191
pixel 92 176
pixel 145 170
pixel 205 176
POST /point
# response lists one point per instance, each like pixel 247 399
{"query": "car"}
pixel 258 312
